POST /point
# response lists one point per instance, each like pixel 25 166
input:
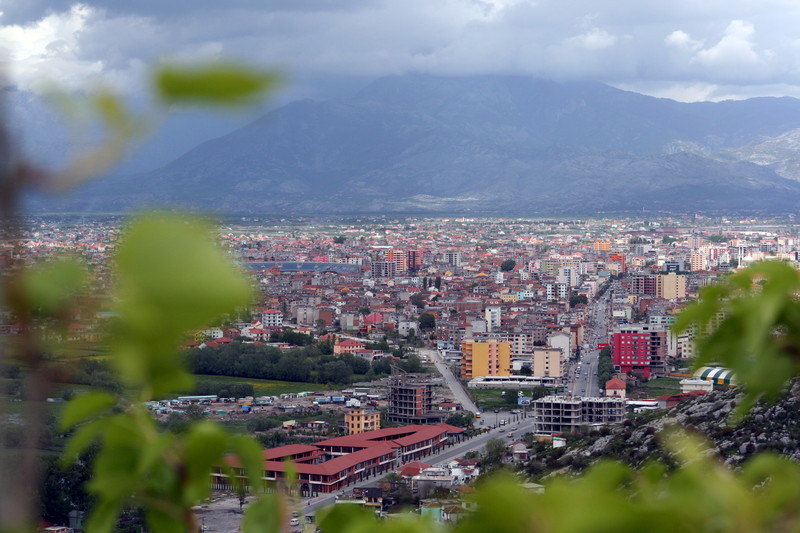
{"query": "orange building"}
pixel 347 346
pixel 359 420
pixel 485 358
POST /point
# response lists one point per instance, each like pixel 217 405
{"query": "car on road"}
pixel 294 522
pixel 514 428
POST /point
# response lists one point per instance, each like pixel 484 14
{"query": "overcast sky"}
pixel 684 49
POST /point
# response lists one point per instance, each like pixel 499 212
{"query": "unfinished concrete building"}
pixel 563 414
pixel 411 400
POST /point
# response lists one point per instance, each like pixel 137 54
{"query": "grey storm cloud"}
pixel 684 48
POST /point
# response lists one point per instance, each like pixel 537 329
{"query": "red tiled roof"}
pixel 335 465
pixel 350 342
pixel 615 383
pixel 290 449
pixel 413 468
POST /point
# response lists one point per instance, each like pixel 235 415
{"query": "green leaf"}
pixel 163 522
pixel 173 279
pixel 52 285
pixel 203 448
pixel 103 517
pixel 216 83
pixel 84 407
pixel 347 518
pixel 81 438
pixel 263 515
pixel 251 456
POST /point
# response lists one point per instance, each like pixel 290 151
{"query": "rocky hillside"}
pixel 768 426
pixel 780 153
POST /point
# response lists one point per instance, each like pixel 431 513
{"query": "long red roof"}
pixel 373 444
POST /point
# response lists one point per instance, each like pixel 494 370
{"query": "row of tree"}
pixel 605 366
pixel 306 364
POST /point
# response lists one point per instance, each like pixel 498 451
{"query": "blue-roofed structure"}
pixel 303 266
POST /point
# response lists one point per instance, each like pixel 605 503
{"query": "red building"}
pixel 619 258
pixel 639 348
pixel 414 259
pixel 329 465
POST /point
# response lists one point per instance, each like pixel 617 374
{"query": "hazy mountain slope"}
pixel 485 144
pixel 780 153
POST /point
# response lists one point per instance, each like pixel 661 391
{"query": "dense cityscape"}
pixel 392 360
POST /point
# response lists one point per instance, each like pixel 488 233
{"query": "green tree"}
pixel 335 372
pixel 578 299
pixel 508 265
pixel 463 419
pixel 418 299
pixel 427 322
pixel 493 454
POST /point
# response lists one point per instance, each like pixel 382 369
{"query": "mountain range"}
pixel 482 144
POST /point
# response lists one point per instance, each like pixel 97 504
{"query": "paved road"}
pixel 585 381
pixel 452 381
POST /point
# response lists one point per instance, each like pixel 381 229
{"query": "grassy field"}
pixel 265 387
pixel 658 387
pixel 490 399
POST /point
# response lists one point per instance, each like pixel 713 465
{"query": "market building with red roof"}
pixel 329 465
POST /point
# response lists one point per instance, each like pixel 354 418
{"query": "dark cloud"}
pixel 683 48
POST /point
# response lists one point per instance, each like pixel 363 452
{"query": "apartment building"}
pixel 546 362
pixel 641 348
pixel 494 317
pixel 360 420
pixel 489 357
pixel 671 286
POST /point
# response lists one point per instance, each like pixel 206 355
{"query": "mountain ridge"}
pixel 480 144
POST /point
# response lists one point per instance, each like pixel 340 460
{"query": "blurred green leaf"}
pixel 346 518
pixel 264 515
pixel 749 323
pixel 204 446
pixel 173 278
pixel 84 407
pixel 251 456
pixel 82 438
pixel 52 285
pixel 216 83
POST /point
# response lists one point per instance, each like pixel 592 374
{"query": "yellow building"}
pixel 671 286
pixel 602 246
pixel 546 362
pixel 509 297
pixel 485 358
pixel 360 420
pixel 697 261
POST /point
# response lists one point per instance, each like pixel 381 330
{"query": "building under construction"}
pixel 563 414
pixel 411 400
